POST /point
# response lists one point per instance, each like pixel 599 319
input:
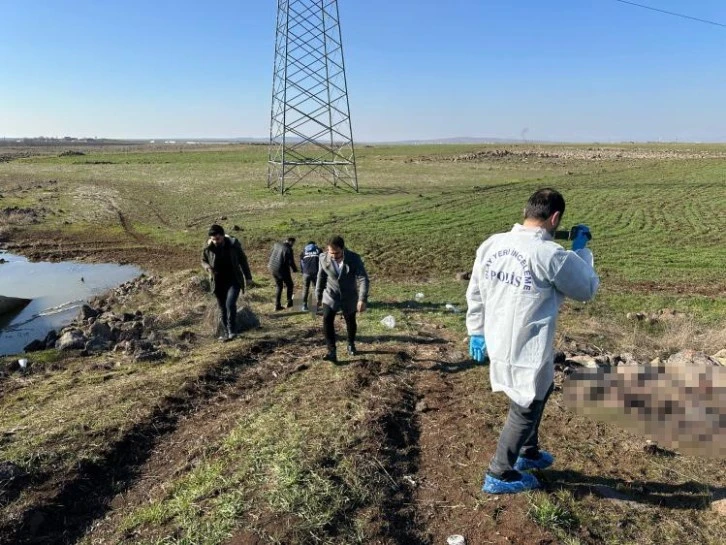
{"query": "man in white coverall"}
pixel 519 280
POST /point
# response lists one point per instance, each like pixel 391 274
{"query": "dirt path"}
pixel 459 421
pixel 64 510
pixel 431 423
pixel 432 429
pixel 178 451
pixel 373 379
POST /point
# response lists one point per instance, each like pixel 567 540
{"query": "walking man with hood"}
pixel 519 280
pixel 309 262
pixel 282 262
pixel 342 286
pixel 225 261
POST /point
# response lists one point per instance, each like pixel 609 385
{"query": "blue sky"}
pixel 423 69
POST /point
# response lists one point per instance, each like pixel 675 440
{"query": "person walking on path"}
pixel 281 264
pixel 225 261
pixel 518 282
pixel 309 262
pixel 342 285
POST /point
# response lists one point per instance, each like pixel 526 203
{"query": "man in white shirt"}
pixel 518 282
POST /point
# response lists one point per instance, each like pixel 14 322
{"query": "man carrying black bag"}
pixel 225 261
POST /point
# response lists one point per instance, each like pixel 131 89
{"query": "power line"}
pixel 673 13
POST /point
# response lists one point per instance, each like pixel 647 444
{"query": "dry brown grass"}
pixel 674 335
pixel 684 332
pixel 648 340
pixel 10 217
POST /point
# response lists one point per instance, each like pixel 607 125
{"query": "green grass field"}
pixel 257 442
pixel 656 213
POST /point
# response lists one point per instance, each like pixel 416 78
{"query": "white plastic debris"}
pixel 389 321
pixel 452 308
pixel 456 539
pixel 23 363
pixel 419 297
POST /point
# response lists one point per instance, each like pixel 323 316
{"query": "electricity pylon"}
pixel 310 128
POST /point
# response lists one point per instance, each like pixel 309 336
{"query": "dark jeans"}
pixel 281 279
pixel 308 280
pixel 329 326
pixel 227 302
pixel 519 437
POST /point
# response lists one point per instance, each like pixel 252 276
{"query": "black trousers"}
pixel 520 435
pixel 329 326
pixel 280 280
pixel 227 303
pixel 308 280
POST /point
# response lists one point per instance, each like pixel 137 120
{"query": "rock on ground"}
pixel 720 356
pixel 73 339
pixel 34 346
pixel 692 358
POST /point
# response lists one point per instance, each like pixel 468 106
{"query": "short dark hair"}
pixel 291 240
pixel 336 242
pixel 216 230
pixel 543 203
pixel 311 242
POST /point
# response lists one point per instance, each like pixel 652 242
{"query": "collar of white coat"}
pixel 539 232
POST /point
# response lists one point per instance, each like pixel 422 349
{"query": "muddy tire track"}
pixel 125 223
pixel 177 452
pixel 459 423
pixel 387 451
pixel 68 506
pixel 154 210
pixel 388 393
pixel 401 452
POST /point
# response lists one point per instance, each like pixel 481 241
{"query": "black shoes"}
pixel 278 308
pixel 289 304
pixel 331 356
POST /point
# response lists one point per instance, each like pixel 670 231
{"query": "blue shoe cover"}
pixel 492 485
pixel 544 461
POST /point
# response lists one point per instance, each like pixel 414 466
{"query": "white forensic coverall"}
pixel 519 280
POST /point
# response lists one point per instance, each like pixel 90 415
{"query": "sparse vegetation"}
pixel 553 512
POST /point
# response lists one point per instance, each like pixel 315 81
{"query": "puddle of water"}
pixel 57 291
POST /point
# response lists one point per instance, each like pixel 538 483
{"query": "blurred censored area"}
pixel 683 408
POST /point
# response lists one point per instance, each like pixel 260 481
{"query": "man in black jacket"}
pixel 225 260
pixel 309 260
pixel 342 286
pixel 281 264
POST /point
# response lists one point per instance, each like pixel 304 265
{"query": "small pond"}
pixel 57 291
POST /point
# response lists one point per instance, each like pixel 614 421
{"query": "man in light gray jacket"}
pixel 342 285
pixel 518 282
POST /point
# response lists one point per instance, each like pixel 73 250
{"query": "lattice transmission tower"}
pixel 310 128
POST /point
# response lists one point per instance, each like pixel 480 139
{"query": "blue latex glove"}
pixel 477 348
pixel 581 238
